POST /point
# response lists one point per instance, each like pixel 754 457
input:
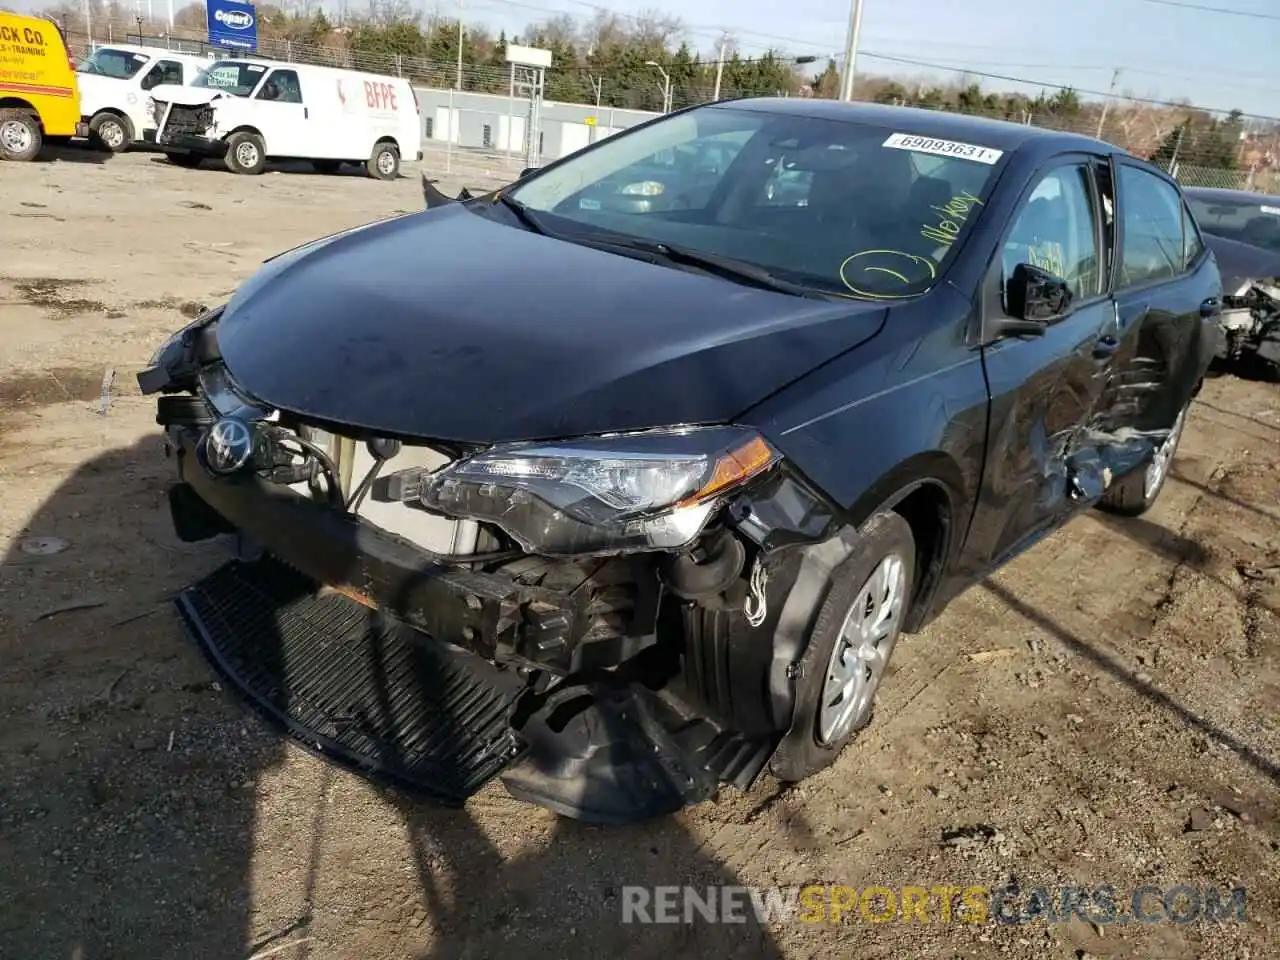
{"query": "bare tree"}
pixel 383 13
pixel 605 29
pixel 657 29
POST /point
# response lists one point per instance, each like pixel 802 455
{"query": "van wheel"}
pixel 849 647
pixel 326 166
pixel 246 153
pixel 20 135
pixel 385 162
pixel 110 132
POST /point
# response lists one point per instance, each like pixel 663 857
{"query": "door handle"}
pixel 1105 346
pixel 305 113
pixel 1210 307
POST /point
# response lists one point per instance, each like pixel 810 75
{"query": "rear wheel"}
pixel 20 135
pixel 849 648
pixel 385 162
pixel 110 132
pixel 1135 494
pixel 246 153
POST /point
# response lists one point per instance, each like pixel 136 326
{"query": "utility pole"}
pixel 458 83
pixel 720 69
pixel 851 51
pixel 1106 104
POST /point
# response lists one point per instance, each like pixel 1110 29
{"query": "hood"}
pixel 186 96
pixel 447 325
pixel 1239 263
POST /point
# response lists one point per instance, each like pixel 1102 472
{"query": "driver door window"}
pixel 1057 230
pixel 281 87
pixel 165 71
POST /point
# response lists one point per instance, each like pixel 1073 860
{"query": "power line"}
pixel 1223 10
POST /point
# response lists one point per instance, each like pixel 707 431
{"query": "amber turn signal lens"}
pixel 735 467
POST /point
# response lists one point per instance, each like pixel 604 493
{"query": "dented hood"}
pixel 1240 263
pixel 448 325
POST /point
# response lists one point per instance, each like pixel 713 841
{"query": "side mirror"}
pixel 1033 297
pixel 526 171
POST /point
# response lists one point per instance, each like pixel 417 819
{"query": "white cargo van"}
pixel 115 83
pixel 247 111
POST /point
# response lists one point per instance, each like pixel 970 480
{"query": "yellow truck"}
pixel 39 98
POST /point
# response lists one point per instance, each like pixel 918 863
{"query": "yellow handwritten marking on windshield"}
pixel 875 263
pixel 952 217
pixel 1047 256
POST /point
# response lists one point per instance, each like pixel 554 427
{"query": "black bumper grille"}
pixel 354 686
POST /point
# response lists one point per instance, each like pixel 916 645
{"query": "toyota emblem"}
pixel 228 446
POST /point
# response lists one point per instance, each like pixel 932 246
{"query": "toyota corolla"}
pixel 624 503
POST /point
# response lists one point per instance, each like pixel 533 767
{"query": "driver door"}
pixel 1045 389
pixel 283 115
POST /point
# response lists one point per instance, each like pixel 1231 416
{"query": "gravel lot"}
pixel 1107 705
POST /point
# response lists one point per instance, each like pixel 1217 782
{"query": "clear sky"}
pixel 1165 50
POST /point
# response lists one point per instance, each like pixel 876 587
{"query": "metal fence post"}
pixel 449 134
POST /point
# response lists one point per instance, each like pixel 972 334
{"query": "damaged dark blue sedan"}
pixel 623 501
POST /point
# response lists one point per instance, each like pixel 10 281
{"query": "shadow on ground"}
pixel 130 782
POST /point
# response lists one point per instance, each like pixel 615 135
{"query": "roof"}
pixel 1000 134
pixel 1231 196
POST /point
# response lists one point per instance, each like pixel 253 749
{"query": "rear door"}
pixel 1168 294
pixel 283 115
pixel 1045 390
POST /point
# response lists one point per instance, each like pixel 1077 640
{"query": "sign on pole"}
pixel 233 23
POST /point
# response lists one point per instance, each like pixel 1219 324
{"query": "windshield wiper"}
pixel 726 267
pixel 522 213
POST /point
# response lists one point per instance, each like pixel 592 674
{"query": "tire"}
pixel 385 162
pixel 246 153
pixel 885 558
pixel 326 166
pixel 20 135
pixel 188 160
pixel 1135 494
pixel 110 132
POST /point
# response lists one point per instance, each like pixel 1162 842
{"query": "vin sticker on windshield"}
pixel 944 148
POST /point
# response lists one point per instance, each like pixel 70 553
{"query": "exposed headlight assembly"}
pixel 599 495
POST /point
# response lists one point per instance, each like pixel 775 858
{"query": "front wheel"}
pixel 246 153
pixel 849 648
pixel 20 135
pixel 110 132
pixel 1135 494
pixel 385 162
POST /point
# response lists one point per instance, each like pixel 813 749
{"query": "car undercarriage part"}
pixel 1250 322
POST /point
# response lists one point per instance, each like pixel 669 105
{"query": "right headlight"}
pixel 599 495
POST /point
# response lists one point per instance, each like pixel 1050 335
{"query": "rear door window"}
pixel 1151 218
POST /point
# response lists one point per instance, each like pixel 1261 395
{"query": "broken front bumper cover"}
pixel 480 612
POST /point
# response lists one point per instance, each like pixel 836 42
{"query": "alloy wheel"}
pixel 1158 468
pixel 15 136
pixel 862 650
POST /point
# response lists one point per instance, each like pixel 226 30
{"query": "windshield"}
pixel 834 206
pixel 1247 220
pixel 121 64
pixel 230 76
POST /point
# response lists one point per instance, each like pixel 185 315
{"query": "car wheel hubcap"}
pixel 862 650
pixel 15 136
pixel 247 155
pixel 386 163
pixel 1158 468
pixel 112 133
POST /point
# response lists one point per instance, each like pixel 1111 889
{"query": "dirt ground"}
pixel 1107 706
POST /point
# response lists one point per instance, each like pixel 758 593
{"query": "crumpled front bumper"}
pixel 481 612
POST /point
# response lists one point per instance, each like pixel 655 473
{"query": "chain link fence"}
pixel 1199 147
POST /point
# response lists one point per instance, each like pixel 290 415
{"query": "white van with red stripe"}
pixel 248 111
